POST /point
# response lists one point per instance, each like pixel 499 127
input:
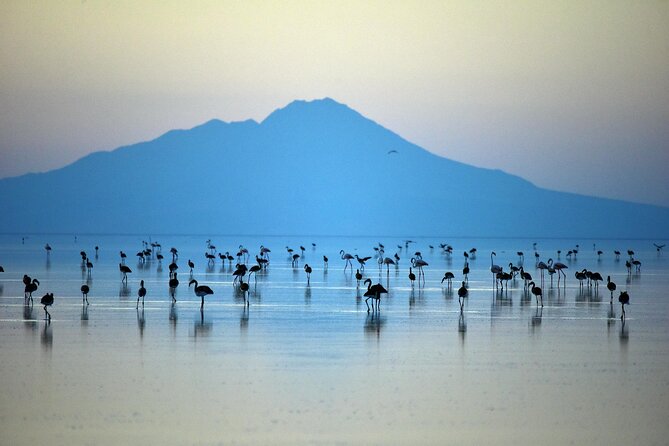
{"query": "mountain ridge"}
pixel 309 167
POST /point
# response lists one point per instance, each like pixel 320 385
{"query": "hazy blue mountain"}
pixel 310 168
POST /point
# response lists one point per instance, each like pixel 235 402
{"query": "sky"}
pixel 571 95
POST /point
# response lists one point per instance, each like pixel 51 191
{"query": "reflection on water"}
pixel 244 319
pixel 373 325
pixel 84 315
pixel 30 321
pixel 46 338
pixel 141 321
pixel 288 343
pixel 535 321
pixel 624 337
pixel 124 292
pixel 462 326
pixel 201 327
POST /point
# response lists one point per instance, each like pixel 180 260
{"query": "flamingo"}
pixel 494 269
pixel 124 270
pixel 123 257
pixel 659 247
pixel 173 284
pixel 559 267
pixel 611 286
pixel 254 270
pixel 624 299
pixel 462 293
pixel 580 276
pixel 527 277
pixel 346 256
pixel 89 266
pixel 537 293
pixel 30 287
pixel 465 272
pixel 141 292
pixel 200 291
pixel 448 277
pixel 239 273
pixel 294 263
pixel 374 292
pixel 362 261
pixel 596 277
pixel 47 301
pixel 637 265
pixel 358 277
pixel 244 288
pixel 543 267
pixel 307 269
pixel 264 252
pixel 388 261
pixel 419 263
pixel 84 293
pixel 191 265
pixel 412 276
pixel 325 262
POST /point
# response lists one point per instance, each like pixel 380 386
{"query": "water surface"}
pixel 307 364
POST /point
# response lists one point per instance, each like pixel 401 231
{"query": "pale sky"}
pixel 571 95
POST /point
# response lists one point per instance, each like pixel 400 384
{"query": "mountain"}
pixel 311 168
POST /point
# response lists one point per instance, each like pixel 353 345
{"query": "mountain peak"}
pixel 326 109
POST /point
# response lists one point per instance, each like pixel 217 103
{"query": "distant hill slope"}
pixel 310 168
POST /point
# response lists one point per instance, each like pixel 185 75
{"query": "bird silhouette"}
pixel 141 292
pixel 374 292
pixel 419 263
pixel 307 269
pixel 358 277
pixel 200 291
pixel 448 277
pixel 560 267
pixel 173 284
pixel 494 269
pixel 84 293
pixel 47 301
pixel 30 288
pixel 244 288
pixel 346 256
pixel 361 261
pixel 462 293
pixel 624 299
pixel 124 270
pixel 537 293
pixel 412 276
pixel 465 272
pixel 611 286
pixel 254 270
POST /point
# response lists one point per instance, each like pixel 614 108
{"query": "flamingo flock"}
pixel 416 272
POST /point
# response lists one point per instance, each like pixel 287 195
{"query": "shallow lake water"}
pixel 307 364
